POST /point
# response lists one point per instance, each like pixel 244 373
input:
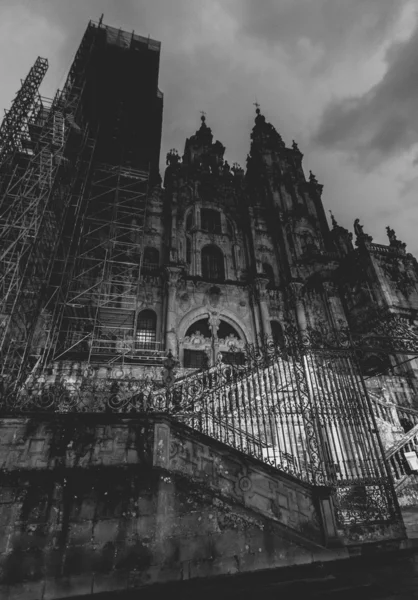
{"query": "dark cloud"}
pixel 335 26
pixel 383 122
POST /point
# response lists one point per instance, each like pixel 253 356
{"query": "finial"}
pixel 333 221
pixel 203 117
pixel 257 107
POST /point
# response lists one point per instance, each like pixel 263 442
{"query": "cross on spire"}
pixel 203 117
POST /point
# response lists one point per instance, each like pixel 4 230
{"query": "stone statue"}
pixel 391 235
pixel 393 240
pixel 358 229
pixel 312 178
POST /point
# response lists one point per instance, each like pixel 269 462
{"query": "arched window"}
pixel 225 330
pixel 277 333
pixel 151 258
pixel 213 263
pixel 201 326
pixel 211 220
pixel 232 356
pixel 269 273
pixel 146 330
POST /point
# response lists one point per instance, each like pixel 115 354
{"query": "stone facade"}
pixel 245 255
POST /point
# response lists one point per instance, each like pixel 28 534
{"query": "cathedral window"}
pixel 202 327
pixel 211 220
pixel 151 258
pixel 226 330
pixel 146 330
pixel 213 263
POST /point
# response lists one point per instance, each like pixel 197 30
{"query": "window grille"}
pixel 151 258
pixel 213 263
pixel 146 330
pixel 195 359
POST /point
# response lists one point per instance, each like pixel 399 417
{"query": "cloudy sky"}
pixel 338 76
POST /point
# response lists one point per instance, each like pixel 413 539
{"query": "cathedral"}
pixel 201 342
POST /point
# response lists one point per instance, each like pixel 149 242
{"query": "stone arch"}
pixel 224 315
pixel 197 344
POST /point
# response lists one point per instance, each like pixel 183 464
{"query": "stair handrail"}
pixel 412 411
pixel 406 438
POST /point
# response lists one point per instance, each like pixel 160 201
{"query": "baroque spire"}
pixel 264 135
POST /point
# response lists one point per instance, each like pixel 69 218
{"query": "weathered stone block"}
pixel 36 445
pixel 145 526
pixel 154 574
pixel 212 568
pixel 22 591
pixel 8 513
pixel 19 565
pixel 135 556
pixel 196 548
pixel 68 586
pixel 105 531
pixel 80 533
pixel 110 582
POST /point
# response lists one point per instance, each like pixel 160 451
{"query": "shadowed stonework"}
pixel 199 378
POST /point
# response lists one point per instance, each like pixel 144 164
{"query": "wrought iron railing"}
pixel 302 408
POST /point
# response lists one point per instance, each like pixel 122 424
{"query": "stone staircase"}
pixel 405 479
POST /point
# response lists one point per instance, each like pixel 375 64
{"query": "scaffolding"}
pixel 73 203
pixel 34 202
pixel 14 127
pixel 99 315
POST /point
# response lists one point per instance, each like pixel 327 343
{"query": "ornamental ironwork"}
pixel 300 407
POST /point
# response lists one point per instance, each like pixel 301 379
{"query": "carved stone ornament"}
pixel 173 275
pixel 296 289
pixel 398 275
pixel 265 249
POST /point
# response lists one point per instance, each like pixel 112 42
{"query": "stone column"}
pixel 196 255
pixel 296 298
pixel 334 302
pixel 214 322
pixel 173 275
pixel 261 295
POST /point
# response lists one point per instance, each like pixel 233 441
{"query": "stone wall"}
pixel 88 504
pixel 99 503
